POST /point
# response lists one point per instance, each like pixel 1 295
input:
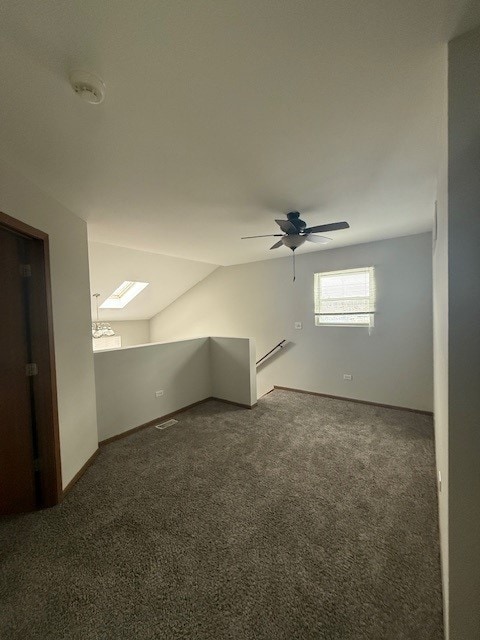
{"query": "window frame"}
pixel 124 294
pixel 372 298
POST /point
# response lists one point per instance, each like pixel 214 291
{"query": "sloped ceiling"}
pixel 168 278
pixel 222 114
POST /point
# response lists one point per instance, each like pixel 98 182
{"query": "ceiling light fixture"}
pixel 88 86
pixel 101 329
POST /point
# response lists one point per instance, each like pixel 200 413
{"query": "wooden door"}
pixel 17 428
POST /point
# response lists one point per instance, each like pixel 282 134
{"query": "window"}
pixel 345 297
pixel 123 294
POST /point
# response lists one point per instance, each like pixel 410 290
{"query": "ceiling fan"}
pixel 296 232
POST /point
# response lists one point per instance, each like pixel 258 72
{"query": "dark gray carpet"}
pixel 306 518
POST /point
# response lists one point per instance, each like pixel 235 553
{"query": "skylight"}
pixel 123 294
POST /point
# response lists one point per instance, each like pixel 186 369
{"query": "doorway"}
pixel 30 475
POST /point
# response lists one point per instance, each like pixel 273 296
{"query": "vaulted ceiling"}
pixel 168 279
pixel 222 114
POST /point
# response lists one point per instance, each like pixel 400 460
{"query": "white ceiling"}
pixel 168 279
pixel 221 114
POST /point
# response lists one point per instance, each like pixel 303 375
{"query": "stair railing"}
pixel 277 346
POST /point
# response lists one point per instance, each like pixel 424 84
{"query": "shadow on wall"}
pixel 185 379
pixel 233 362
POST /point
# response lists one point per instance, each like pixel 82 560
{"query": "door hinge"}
pixel 36 464
pixel 31 369
pixel 25 270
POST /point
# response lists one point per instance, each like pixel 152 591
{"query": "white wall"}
pixel 391 366
pixel 464 335
pixel 440 341
pixel 133 332
pixel 232 362
pixel 187 371
pixel 71 313
pixel 127 380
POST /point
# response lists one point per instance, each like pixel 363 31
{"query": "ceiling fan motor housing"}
pixel 294 218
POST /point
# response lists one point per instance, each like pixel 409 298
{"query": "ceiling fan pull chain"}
pixel 294 265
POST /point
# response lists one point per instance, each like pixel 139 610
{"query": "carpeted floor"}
pixel 305 518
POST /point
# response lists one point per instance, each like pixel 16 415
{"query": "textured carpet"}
pixel 305 518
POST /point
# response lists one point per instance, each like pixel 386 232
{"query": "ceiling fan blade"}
pixel 287 226
pixel 319 239
pixel 269 235
pixel 277 244
pixel 333 226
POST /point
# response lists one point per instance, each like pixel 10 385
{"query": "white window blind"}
pixel 345 297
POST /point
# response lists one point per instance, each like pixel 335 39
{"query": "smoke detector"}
pixel 88 86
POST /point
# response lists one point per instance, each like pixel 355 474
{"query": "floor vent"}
pixel 164 425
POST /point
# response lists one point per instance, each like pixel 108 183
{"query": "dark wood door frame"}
pixel 45 383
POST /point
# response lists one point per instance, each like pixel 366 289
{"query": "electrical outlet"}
pixel 298 325
pixel 347 376
pixel 159 394
pixel 439 481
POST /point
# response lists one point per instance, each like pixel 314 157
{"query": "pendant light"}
pixel 101 329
